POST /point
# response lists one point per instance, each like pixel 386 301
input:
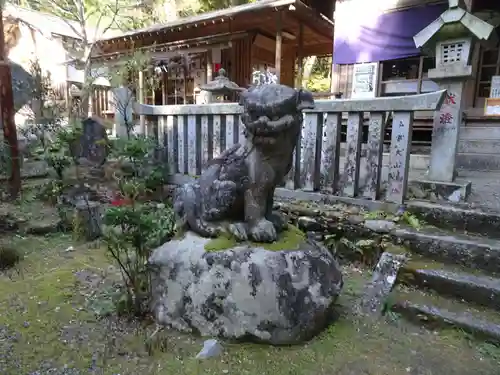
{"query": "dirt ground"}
pixel 51 323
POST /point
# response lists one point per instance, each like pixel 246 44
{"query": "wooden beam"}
pixel 209 71
pixel 333 51
pixel 164 91
pixel 279 41
pixel 317 49
pixel 300 56
pixel 318 23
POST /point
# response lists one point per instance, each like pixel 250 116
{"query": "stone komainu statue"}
pixel 235 192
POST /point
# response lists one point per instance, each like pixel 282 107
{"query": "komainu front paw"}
pixel 238 231
pixel 279 221
pixel 263 231
pixel 206 229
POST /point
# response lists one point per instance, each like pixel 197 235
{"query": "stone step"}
pixel 452 281
pixel 478 161
pixel 474 252
pixel 468 133
pixel 479 220
pixel 436 312
pixel 479 146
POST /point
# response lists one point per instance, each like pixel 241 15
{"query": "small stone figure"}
pixel 235 192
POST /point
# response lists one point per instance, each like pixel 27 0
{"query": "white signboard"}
pixel 364 80
pixel 495 87
pixel 492 107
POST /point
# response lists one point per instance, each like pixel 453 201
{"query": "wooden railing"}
pixel 194 134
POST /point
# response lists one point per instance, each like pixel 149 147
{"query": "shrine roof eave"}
pixel 236 19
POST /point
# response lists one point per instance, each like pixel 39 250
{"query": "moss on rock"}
pixel 290 239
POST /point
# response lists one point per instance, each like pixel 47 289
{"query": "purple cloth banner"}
pixel 382 36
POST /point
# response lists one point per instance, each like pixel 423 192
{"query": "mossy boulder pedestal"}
pixel 243 290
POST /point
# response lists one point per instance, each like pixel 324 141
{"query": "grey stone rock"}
pixel 89 217
pixel 308 224
pixel 380 226
pixel 41 228
pixel 456 196
pixel 211 348
pixel 416 191
pixel 92 146
pixel 278 297
pixel 355 219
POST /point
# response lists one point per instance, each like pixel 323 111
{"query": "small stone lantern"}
pixel 450 38
pixel 220 87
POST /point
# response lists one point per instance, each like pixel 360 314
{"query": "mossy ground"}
pixel 287 240
pixel 46 322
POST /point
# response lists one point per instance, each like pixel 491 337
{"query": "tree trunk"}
pixel 86 89
pixel 308 67
pixel 7 116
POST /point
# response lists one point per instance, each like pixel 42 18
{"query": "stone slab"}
pixel 453 191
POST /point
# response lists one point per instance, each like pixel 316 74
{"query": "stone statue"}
pixel 235 192
pixel 245 290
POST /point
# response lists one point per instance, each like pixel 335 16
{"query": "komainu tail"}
pixel 187 209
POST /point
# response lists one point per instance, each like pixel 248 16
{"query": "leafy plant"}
pixel 59 157
pixel 411 220
pixel 135 230
pixel 51 191
pixel 48 112
pixel 136 157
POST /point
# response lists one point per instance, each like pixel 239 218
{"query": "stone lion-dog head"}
pixel 273 114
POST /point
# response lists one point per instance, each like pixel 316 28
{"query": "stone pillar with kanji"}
pixel 450 38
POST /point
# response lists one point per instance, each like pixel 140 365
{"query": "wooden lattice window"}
pixel 489 66
pixel 406 76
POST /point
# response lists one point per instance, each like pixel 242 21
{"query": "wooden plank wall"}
pixel 241 61
pixel 100 100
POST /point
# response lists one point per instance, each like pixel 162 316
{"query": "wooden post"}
pixel 185 74
pixel 279 40
pixel 142 118
pixel 164 91
pixel 7 116
pixel 300 56
pixel 209 71
pixel 332 78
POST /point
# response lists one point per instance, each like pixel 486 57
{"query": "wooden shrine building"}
pixel 276 34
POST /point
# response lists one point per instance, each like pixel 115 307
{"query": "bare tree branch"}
pixel 115 12
pixel 68 15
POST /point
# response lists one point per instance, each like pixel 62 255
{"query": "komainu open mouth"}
pixel 272 109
